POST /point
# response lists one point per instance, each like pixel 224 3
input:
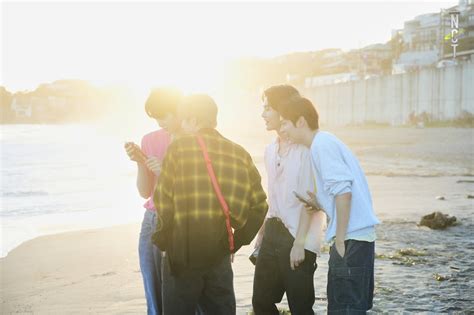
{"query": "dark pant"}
pixel 350 287
pixel 274 276
pixel 209 291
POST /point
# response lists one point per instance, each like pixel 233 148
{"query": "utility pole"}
pixel 441 21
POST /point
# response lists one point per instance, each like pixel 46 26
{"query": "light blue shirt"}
pixel 338 172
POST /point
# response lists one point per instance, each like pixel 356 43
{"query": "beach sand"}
pixel 77 272
pixel 97 271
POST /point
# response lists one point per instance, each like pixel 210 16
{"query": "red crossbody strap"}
pixel 217 189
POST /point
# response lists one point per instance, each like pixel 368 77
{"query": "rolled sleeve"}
pixel 336 175
pixel 339 188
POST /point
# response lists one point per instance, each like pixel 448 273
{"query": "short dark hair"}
pixel 201 107
pixel 162 101
pixel 278 94
pixel 300 107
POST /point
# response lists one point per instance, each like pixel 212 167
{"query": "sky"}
pixel 150 43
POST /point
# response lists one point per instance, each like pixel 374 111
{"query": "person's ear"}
pixel 301 122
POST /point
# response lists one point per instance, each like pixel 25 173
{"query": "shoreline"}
pixel 67 227
pixel 56 273
pixel 374 179
pixel 39 238
pixel 95 268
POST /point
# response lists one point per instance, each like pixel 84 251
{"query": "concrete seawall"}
pixel 444 94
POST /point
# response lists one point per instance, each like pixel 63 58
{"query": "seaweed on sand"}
pixel 405 256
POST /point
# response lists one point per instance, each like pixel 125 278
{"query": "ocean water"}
pixel 57 178
pixel 69 177
pixel 62 178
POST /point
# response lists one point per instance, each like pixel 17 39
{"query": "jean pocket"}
pixel 337 253
pixel 335 259
pixel 348 284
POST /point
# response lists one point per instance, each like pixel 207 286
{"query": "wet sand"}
pixel 96 271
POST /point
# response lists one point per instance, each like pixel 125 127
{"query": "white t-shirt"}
pixel 288 172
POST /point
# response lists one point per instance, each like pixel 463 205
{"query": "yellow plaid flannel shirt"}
pixel 191 223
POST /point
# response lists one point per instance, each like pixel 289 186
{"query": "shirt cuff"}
pixel 346 190
pixel 340 188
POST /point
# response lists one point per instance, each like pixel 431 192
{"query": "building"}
pixel 420 43
pixel 458 27
pixel 329 79
pixel 426 40
pixel 372 60
pixel 21 106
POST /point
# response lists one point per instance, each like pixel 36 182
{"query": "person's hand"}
pixel 314 203
pixel 154 165
pixel 133 152
pixel 340 248
pixel 258 241
pixel 296 255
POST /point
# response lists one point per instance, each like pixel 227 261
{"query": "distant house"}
pixel 21 106
pixel 377 53
pixel 465 31
pixel 333 61
pixel 427 38
pixel 372 60
pixel 329 79
pixel 421 38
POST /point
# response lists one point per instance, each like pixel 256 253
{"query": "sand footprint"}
pixel 110 273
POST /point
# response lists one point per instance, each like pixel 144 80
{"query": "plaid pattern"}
pixel 191 223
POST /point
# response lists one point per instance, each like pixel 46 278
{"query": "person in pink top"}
pixel 161 106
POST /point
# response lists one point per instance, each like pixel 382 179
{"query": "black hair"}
pixel 298 107
pixel 278 94
pixel 201 107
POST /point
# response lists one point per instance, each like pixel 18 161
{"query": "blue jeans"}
pixel 350 287
pixel 150 264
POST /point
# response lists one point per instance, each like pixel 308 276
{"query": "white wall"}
pixel 443 93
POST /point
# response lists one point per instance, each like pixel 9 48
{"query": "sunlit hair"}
pixel 201 107
pixel 298 107
pixel 162 101
pixel 278 94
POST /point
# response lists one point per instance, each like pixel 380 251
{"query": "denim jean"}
pixel 274 276
pixel 350 287
pixel 199 291
pixel 150 264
